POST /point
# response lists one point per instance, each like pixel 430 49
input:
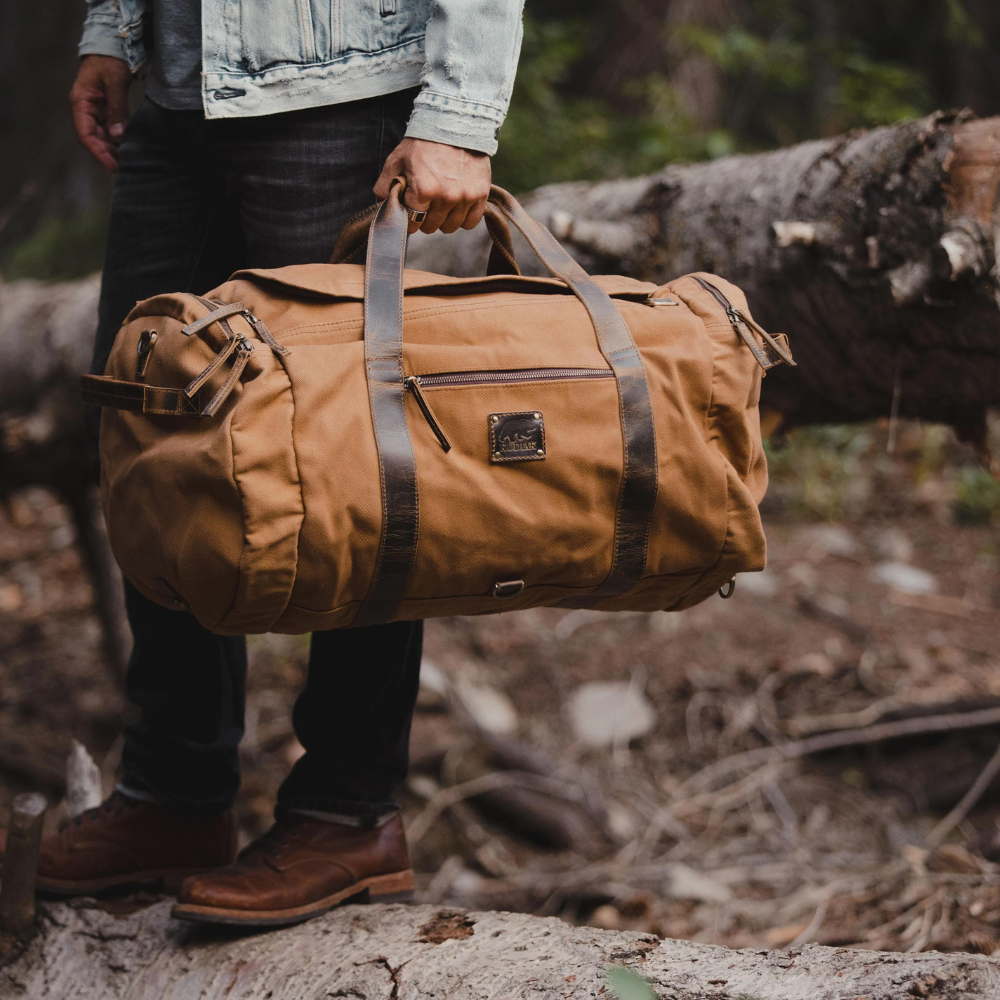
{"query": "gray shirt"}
pixel 174 79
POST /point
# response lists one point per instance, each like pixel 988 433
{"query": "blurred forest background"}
pixel 606 88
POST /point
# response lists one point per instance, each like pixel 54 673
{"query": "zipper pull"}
pixel 773 353
pixel 243 353
pixel 413 384
pixel 262 331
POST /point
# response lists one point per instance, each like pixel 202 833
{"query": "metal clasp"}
pixel 147 339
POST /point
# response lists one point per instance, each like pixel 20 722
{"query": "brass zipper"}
pixel 742 323
pixel 508 376
pixel 512 284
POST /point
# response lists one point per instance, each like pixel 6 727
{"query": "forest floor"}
pixel 881 602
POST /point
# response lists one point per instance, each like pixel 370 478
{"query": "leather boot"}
pixel 301 868
pixel 123 843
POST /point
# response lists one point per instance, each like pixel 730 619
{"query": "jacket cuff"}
pixel 455 122
pixel 101 38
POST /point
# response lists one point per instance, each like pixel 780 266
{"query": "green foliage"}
pixel 785 72
pixel 628 985
pixel 60 248
pixel 977 497
pixel 552 134
pixel 874 93
pixel 813 472
pixel 961 29
pixel 785 82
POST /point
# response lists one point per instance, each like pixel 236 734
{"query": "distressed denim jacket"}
pixel 260 57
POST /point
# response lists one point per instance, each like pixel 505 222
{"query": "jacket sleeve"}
pixel 102 30
pixel 471 51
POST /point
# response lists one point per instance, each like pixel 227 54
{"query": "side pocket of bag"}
pixel 267 477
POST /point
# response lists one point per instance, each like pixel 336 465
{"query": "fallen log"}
pixel 874 252
pixel 84 953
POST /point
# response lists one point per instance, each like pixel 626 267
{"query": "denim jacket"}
pixel 260 57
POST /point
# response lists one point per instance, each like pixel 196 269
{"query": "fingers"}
pixel 450 184
pixel 456 218
pixel 117 104
pixel 99 102
pixel 92 135
pixel 390 170
pixel 475 216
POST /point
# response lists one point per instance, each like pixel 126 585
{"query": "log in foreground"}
pixel 875 252
pixel 400 952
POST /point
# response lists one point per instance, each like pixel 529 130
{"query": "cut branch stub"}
pixel 20 865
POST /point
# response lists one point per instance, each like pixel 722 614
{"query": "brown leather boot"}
pixel 123 842
pixel 301 868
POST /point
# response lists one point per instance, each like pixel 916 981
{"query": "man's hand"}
pixel 99 100
pixel 449 183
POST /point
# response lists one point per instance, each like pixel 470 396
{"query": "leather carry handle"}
pixel 383 332
pixel 354 235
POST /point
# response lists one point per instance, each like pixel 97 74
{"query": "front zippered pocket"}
pixel 510 375
pixel 507 376
pixel 774 354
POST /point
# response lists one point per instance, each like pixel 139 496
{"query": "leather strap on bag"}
pixel 102 390
pixel 386 395
pixel 638 490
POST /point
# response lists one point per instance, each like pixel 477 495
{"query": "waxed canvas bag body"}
pixel 334 445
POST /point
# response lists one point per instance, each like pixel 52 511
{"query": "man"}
pixel 265 126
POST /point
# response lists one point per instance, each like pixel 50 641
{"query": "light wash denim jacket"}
pixel 260 57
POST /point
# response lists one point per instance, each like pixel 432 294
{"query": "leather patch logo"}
pixel 517 437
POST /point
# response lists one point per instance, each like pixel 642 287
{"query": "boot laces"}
pixel 114 803
pixel 271 843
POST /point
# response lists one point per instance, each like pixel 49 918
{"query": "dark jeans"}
pixel 195 200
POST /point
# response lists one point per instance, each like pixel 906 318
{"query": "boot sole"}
pixel 167 879
pixel 395 888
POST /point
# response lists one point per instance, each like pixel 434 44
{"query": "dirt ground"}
pixel 880 604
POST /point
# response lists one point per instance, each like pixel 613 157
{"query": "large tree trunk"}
pixel 874 252
pixel 406 953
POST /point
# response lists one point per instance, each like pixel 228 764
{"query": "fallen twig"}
pixel 949 722
pixel 447 797
pixel 969 799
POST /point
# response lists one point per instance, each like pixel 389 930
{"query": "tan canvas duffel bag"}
pixel 342 444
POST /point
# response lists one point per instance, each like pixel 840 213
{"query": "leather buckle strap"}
pixel 102 390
